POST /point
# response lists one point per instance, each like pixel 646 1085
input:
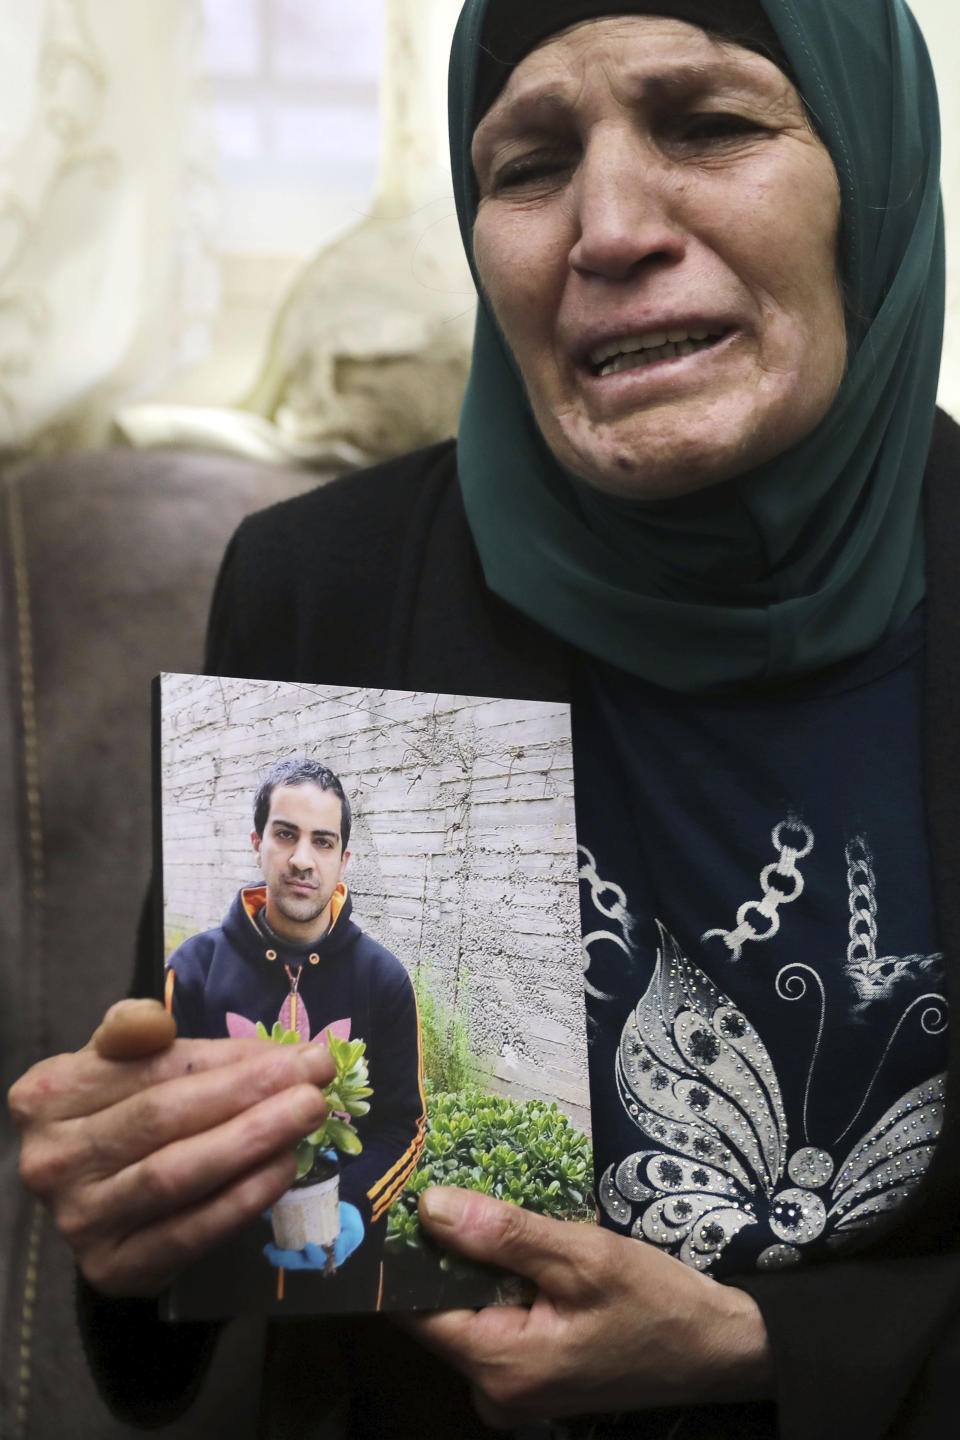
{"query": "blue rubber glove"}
pixel 314 1257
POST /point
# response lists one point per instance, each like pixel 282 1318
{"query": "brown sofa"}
pixel 107 561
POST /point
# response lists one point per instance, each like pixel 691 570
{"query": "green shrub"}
pixel 444 1032
pixel 523 1151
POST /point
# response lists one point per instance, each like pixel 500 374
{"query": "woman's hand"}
pixel 616 1324
pixel 149 1150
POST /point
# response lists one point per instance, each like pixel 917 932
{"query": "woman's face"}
pixel 657 235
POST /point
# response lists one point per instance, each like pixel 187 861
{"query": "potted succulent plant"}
pixel 309 1212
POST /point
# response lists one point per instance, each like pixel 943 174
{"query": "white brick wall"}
pixel 463 846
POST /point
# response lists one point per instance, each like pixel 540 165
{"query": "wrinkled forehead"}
pixel 658 64
pixel 513 28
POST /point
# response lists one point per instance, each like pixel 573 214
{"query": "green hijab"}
pixel 817 555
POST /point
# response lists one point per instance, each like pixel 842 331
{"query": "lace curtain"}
pixel 108 273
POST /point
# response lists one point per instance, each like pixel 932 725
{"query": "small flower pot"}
pixel 309 1215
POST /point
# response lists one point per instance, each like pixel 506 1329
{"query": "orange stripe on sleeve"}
pixel 387 1189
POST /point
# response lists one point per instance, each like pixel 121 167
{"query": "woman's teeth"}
pixel 629 354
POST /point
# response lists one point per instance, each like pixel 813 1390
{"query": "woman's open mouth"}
pixel 630 352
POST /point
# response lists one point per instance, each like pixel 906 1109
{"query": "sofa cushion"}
pixel 107 562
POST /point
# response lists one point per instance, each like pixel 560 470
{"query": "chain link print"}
pixel 613 908
pixel 774 894
pixel 862 884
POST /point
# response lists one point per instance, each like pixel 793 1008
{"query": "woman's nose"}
pixel 625 209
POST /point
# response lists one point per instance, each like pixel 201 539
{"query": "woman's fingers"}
pixel 508 1236
pixel 147 1161
pixel 61 1153
pixel 79 1085
pixel 194 1105
pixel 187 1171
pixel 145 1260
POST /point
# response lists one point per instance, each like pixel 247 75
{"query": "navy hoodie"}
pixel 223 981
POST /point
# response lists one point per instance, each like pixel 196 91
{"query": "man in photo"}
pixel 288 952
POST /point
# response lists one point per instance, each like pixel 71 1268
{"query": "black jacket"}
pixel 374 581
pixel 348 980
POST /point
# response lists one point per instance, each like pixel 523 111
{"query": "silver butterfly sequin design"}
pixel 697 1080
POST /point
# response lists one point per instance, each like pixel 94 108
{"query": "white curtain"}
pixel 108 276
pixel 371 354
pixel 371 349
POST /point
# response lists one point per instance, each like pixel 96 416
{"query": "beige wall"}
pixel 939 21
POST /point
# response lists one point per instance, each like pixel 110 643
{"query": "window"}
pixel 294 90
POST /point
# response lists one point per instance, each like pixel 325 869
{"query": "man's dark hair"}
pixel 300 771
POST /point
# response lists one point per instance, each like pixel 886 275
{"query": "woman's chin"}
pixel 678 450
pixel 642 468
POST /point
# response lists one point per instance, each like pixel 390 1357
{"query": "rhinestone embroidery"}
pixel 695 1077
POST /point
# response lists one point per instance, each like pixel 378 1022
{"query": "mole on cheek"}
pixel 624 462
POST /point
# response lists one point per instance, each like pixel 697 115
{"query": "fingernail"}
pixel 130 1006
pixel 441 1206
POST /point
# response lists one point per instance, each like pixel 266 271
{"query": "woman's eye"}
pixel 528 170
pixel 718 126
